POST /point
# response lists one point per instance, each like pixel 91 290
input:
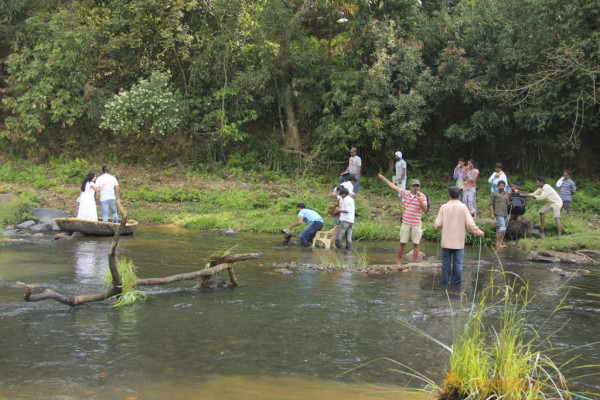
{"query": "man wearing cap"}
pixel 109 185
pixel 313 220
pixel 453 219
pixel 354 168
pixel 496 177
pixel 400 177
pixel 414 202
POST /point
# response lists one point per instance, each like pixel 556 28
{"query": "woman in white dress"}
pixel 87 201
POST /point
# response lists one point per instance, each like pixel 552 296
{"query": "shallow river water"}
pixel 309 335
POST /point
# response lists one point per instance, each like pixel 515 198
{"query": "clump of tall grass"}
pixel 495 353
pixel 129 294
pixel 331 258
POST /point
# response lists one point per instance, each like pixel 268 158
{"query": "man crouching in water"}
pixel 314 223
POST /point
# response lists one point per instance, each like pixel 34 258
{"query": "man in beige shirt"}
pixel 553 203
pixel 454 219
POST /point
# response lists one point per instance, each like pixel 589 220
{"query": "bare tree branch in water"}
pixel 217 265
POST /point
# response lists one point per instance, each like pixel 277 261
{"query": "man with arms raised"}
pixel 414 202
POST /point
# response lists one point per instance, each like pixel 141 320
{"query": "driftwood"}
pixel 204 274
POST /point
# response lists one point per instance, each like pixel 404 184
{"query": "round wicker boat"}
pixel 94 228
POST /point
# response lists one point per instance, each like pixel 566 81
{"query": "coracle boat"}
pixel 94 228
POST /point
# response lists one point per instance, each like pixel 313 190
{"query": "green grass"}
pixel 17 210
pixel 496 353
pixel 222 195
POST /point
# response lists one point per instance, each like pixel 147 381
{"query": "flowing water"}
pixel 309 335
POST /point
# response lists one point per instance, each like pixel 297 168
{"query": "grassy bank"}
pixel 201 198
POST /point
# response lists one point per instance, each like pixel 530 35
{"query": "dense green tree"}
pixel 297 82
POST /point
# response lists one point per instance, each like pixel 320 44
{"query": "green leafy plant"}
pixel 129 294
pixel 149 108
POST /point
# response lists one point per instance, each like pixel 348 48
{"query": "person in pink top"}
pixel 414 202
pixel 453 219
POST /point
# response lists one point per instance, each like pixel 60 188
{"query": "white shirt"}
pixel 400 165
pixel 348 205
pixel 353 164
pixel 348 185
pixel 108 191
pixel 494 179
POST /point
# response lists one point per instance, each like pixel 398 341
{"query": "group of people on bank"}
pixel 454 217
pixel 107 186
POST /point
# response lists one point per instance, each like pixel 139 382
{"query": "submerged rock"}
pixel 557 256
pixel 222 231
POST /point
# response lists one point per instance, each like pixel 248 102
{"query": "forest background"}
pixel 290 85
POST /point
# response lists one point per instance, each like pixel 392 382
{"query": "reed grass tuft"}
pixel 129 294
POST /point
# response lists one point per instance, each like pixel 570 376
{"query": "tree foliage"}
pixel 511 80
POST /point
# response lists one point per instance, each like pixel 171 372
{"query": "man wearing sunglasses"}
pixel 414 203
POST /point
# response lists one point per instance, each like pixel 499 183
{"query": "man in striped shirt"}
pixel 414 202
pixel 567 189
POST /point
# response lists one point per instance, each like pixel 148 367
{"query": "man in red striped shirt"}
pixel 414 202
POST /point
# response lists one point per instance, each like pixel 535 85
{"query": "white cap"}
pixel 398 154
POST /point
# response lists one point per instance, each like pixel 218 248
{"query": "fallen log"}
pixel 198 274
pixel 216 265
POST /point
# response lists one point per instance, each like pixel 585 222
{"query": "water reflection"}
pixel 91 261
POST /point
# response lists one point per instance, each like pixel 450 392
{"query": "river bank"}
pixel 230 198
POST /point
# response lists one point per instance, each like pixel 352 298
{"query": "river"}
pixel 311 334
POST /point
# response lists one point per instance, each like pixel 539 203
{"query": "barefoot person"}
pixel 453 219
pixel 553 203
pixel 414 202
pixel 499 201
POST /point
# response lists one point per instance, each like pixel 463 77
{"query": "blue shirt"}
pixel 310 215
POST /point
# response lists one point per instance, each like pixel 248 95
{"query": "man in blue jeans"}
pixel 453 219
pixel 108 199
pixel 314 223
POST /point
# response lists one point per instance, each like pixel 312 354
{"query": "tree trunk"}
pixel 291 137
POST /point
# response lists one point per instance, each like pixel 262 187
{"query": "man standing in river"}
pixel 453 219
pixel 108 199
pixel 414 202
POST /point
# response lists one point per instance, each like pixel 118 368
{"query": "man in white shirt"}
pixel 400 177
pixel 347 213
pixel 107 194
pixel 553 203
pixel 496 177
